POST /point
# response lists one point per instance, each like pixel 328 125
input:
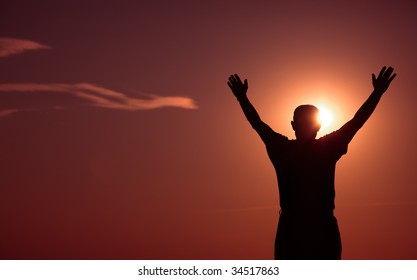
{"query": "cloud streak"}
pixel 98 96
pixel 12 46
pixel 7 112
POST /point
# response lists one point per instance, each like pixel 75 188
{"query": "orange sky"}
pixel 120 138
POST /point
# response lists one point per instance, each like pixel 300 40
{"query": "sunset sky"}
pixel 120 138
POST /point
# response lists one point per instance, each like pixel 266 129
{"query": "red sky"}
pixel 121 140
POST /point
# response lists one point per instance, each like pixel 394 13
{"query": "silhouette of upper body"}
pixel 305 169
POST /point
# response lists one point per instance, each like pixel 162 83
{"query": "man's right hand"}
pixel 238 88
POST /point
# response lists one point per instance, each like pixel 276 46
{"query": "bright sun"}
pixel 325 117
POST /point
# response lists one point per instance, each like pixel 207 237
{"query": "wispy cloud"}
pixel 7 112
pixel 11 46
pixel 100 97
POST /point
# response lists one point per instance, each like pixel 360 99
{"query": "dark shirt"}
pixel 306 171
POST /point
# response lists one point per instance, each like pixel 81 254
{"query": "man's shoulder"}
pixel 335 141
pixel 276 137
pixel 330 135
pixel 276 141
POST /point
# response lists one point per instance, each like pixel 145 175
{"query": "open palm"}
pixel 238 88
pixel 384 79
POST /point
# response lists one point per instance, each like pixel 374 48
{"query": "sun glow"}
pixel 325 117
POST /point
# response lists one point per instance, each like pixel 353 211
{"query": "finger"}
pixel 373 78
pixel 388 73
pixel 246 82
pixel 382 71
pixel 238 79
pixel 230 85
pixel 232 80
pixel 392 78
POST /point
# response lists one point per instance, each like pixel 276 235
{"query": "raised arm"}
pixel 380 84
pixel 240 89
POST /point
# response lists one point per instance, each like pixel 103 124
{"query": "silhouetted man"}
pixel 305 169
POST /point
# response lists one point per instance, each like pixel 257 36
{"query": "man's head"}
pixel 306 122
